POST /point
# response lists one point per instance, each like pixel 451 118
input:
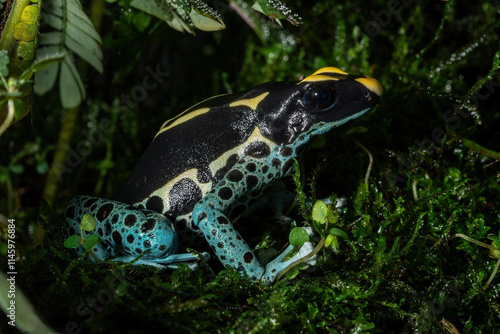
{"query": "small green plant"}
pixel 88 224
pixel 494 251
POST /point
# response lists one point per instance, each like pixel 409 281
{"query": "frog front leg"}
pixel 244 179
pixel 127 232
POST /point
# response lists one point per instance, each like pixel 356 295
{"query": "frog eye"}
pixel 319 98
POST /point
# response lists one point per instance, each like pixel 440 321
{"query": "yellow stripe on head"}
pixel 251 103
pixel 330 70
pixel 371 84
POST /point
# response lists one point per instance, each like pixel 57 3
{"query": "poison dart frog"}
pixel 207 164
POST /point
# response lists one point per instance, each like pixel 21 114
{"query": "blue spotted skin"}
pixel 206 165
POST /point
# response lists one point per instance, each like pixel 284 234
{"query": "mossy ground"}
pixel 400 271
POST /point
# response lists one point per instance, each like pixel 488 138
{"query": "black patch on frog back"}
pixel 191 144
pixel 183 196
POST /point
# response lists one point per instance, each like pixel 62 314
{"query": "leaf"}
pixel 298 236
pixel 86 53
pixel 91 241
pixel 163 11
pixel 71 87
pixel 17 169
pixel 276 10
pixel 84 25
pixel 18 108
pixel 50 38
pixel 41 63
pixel 74 33
pixel 46 77
pixel 88 222
pixel 339 233
pixel 72 241
pixel 4 61
pixel 319 212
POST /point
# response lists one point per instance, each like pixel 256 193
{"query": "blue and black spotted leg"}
pixel 127 232
pixel 247 178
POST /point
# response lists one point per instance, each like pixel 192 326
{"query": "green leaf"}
pixel 50 38
pixel 91 241
pixel 88 222
pixel 18 108
pixel 71 88
pixel 42 62
pixel 4 174
pixel 319 212
pixel 17 169
pixel 90 53
pixel 298 236
pixel 276 10
pixel 357 129
pixel 46 77
pixel 42 167
pixel 73 241
pixel 4 61
pixel 339 233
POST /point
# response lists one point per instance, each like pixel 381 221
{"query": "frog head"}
pixel 324 100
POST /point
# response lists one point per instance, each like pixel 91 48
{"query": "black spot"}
pixel 148 226
pixel 155 203
pixel 181 224
pixel 162 247
pixel 265 169
pixel 222 220
pixel 100 232
pixel 107 227
pixel 104 211
pixel 258 149
pixel 130 238
pixel 231 260
pixel 223 257
pixel 138 251
pixel 214 232
pixel 251 167
pixel 273 271
pixel 287 166
pixel 238 237
pixel 286 151
pixel 276 162
pixel 234 175
pixel 248 257
pixel 115 219
pixel 270 176
pixel 70 212
pixel 204 175
pixel 147 244
pixel 231 161
pixel 240 267
pixel 225 193
pixel 130 220
pixel 183 196
pixel 88 203
pixel 202 216
pixel 300 148
pixel 251 181
pixel 220 245
pixel 117 238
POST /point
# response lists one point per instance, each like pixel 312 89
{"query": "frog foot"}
pixel 170 262
pixel 277 265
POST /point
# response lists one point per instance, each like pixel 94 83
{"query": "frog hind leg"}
pixel 127 232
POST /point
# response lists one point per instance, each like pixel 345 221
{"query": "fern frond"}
pixel 74 34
